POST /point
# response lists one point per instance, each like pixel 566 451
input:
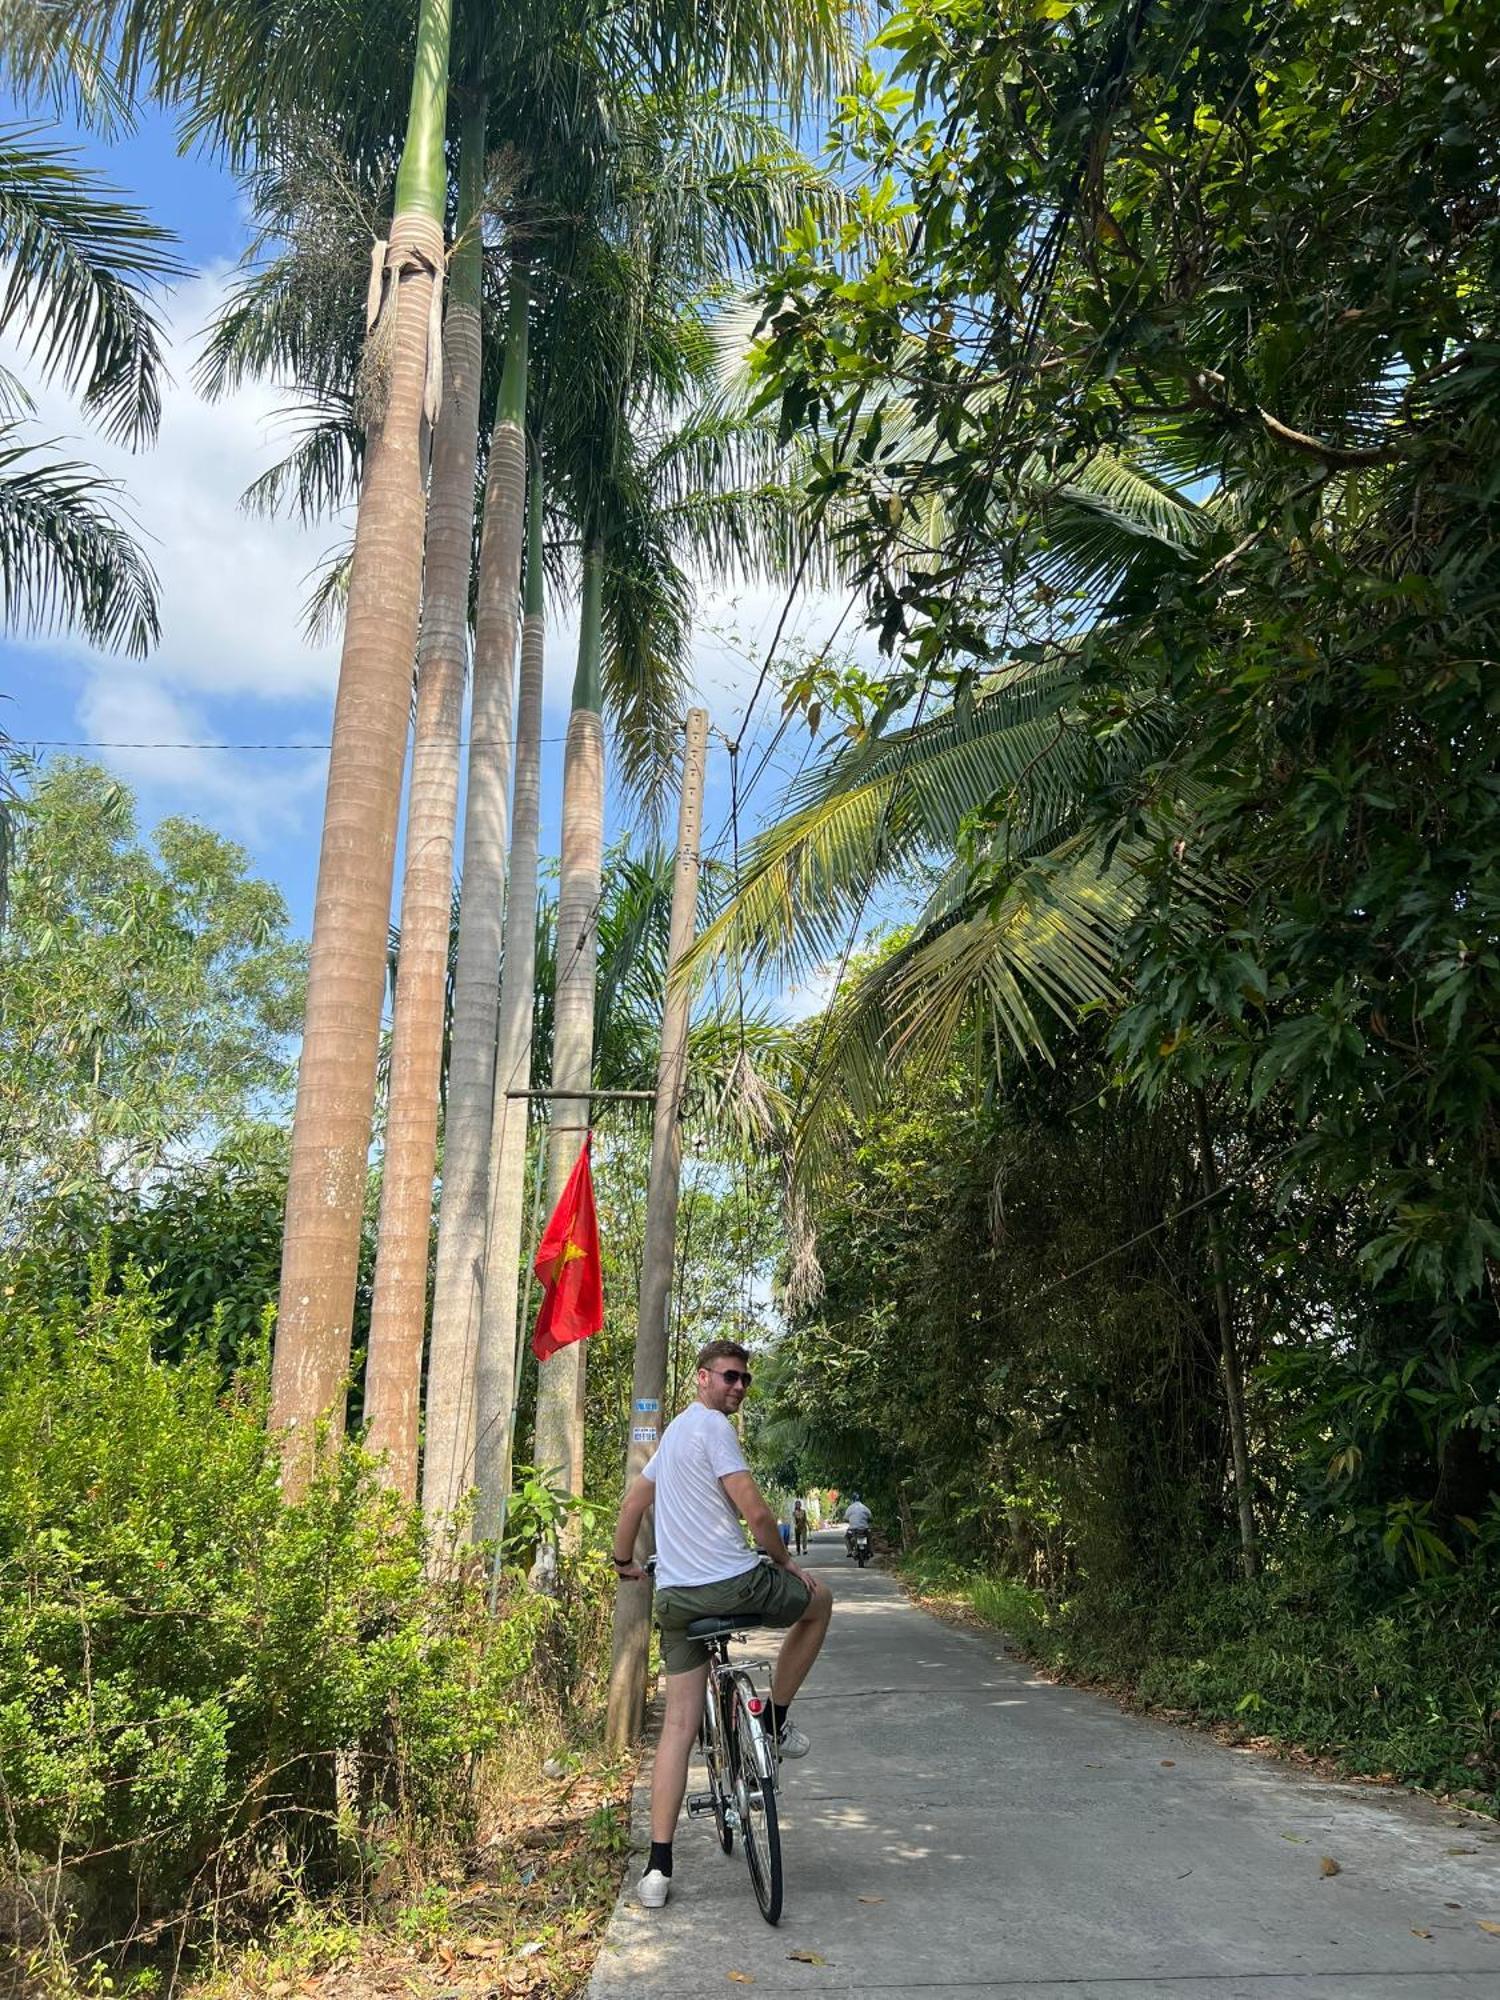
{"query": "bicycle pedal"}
pixel 700 1805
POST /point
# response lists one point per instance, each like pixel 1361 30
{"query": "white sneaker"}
pixel 792 1742
pixel 653 1889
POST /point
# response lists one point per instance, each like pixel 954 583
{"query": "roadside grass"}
pixel 523 1914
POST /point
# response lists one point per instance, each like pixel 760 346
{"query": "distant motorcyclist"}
pixel 856 1516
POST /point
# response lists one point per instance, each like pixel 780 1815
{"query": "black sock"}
pixel 661 1857
pixel 778 1714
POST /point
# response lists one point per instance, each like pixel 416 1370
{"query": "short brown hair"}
pixel 722 1350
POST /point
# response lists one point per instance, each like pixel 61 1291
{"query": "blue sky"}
pixel 233 668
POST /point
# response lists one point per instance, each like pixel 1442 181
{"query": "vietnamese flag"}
pixel 567 1262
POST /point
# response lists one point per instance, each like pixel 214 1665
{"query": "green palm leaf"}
pixel 79 262
pixel 65 560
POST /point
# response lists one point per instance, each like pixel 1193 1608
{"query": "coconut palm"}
pixel 1023 906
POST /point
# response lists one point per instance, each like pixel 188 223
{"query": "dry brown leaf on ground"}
pixel 871 1899
pixel 743 1978
pixel 1485 1925
pixel 1328 1866
pixel 1416 1932
pixel 808 1957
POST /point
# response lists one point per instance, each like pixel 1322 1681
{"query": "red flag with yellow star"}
pixel 567 1262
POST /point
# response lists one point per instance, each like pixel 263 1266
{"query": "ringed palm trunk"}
pixel 464 1207
pixel 351 912
pixel 495 1388
pixel 558 1451
pixel 398 1315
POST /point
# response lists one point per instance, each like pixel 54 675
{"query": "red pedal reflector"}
pixel 755 1706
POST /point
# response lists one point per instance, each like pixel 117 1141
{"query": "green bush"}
pixel 205 1693
pixel 1317 1652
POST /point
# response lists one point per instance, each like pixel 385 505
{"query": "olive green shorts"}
pixel 768 1593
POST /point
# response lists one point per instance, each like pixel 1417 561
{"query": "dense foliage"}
pixel 1015 1357
pixel 1163 438
pixel 208 1696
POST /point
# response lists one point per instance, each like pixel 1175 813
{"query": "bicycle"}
pixel 741 1760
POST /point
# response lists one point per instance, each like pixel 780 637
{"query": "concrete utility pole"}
pixel 632 1630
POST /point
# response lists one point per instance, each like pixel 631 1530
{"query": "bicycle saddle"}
pixel 720 1628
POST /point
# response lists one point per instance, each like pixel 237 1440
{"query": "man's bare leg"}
pixel 669 1775
pixel 801 1646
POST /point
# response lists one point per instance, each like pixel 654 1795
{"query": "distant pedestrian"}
pixel 799 1525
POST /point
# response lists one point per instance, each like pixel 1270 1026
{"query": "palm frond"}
pixel 323 613
pixel 56 53
pixel 65 560
pixel 79 264
pixel 1043 946
pixel 1015 756
pixel 320 474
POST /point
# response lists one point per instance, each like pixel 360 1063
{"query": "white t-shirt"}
pixel 698 1534
pixel 857 1514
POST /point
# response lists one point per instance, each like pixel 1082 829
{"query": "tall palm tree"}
pixel 351 912
pixel 496 1355
pixel 471 1072
pixel 706 188
pixel 398 1309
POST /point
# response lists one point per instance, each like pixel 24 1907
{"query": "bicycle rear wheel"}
pixel 759 1831
pixel 720 1779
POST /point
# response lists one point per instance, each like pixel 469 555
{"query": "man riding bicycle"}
pixel 701 1489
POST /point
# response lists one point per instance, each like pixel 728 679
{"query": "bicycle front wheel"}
pixel 756 1795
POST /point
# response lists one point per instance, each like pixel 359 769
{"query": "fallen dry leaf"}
pixel 871 1899
pixel 1419 1933
pixel 1460 1850
pixel 807 1957
pixel 278 1989
pixel 743 1978
pixel 1485 1925
pixel 1328 1866
pixel 1169 1763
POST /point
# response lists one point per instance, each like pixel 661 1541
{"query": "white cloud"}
pixel 232 585
pixel 165 748
pixel 233 662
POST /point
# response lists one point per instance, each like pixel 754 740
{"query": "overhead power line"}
pixel 93 743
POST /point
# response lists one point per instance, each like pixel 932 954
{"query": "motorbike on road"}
pixel 858 1544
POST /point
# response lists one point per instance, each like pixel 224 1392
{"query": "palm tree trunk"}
pixel 398 1317
pixel 558 1450
pixel 495 1388
pixel 351 912
pixel 464 1207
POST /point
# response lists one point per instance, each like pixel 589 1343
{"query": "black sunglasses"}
pixel 732 1375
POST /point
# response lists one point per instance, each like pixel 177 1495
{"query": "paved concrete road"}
pixel 1034 1843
